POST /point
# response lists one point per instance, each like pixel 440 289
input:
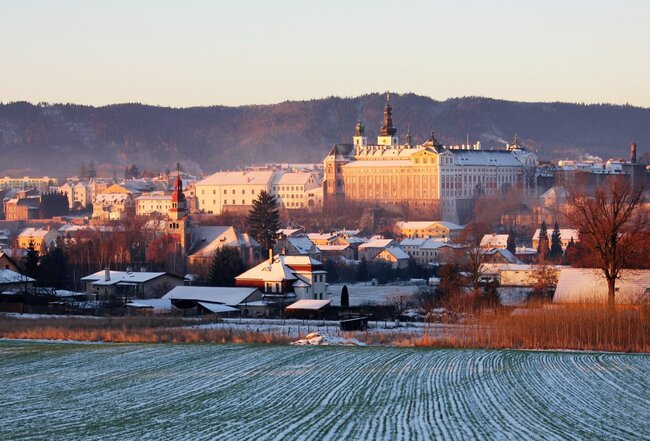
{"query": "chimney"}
pixel 107 275
pixel 270 256
pixel 633 153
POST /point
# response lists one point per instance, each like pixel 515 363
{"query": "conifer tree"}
pixel 83 171
pixel 345 297
pixel 226 265
pixel 542 246
pixel 511 245
pixel 556 243
pixel 362 271
pixel 30 261
pixel 264 220
pixel 92 171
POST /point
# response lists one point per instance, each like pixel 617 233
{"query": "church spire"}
pixel 387 129
pixel 408 136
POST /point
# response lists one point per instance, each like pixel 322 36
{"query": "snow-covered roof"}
pixel 496 158
pixel 231 296
pixel 434 244
pixel 162 304
pixel 270 272
pixel 279 270
pixel 297 178
pixel 397 252
pixel 415 242
pixel 504 252
pixel 321 236
pixel 262 177
pixel 376 243
pixel 154 197
pixel 8 276
pixel 206 240
pixel 112 197
pixel 34 232
pixel 300 260
pixel 494 241
pixel 588 285
pixel 217 308
pixel 302 244
pixel 289 231
pixel 311 305
pixel 333 247
pixel 115 277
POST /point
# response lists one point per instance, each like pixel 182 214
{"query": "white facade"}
pixel 151 204
pixel 232 191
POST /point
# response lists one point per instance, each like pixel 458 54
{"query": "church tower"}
pixel 388 133
pixel 179 204
pixel 178 224
pixel 359 139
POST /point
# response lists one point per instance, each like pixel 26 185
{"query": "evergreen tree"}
pixel 30 261
pixel 83 171
pixel 511 245
pixel 542 246
pixel 264 220
pixel 556 243
pixel 362 271
pixel 53 204
pixel 92 171
pixel 226 265
pixel 53 269
pixel 345 297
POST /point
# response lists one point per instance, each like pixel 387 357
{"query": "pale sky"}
pixel 196 53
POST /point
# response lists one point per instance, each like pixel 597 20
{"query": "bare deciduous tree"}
pixel 611 222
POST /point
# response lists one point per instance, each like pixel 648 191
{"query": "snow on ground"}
pixel 265 392
pixel 361 293
pixel 317 339
pixel 296 328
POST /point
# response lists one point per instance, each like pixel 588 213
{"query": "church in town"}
pixel 428 178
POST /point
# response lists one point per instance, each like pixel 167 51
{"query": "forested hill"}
pixel 55 139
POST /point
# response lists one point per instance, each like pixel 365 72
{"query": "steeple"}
pixel 179 205
pixel 408 136
pixel 387 129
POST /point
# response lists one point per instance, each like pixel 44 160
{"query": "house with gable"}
pixel 285 278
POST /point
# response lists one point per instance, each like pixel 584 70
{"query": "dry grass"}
pixel 577 327
pixel 128 330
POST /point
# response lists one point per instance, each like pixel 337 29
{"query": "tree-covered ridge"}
pixel 218 137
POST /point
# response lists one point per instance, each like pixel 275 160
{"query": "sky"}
pixel 199 52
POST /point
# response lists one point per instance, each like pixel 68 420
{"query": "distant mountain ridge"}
pixel 54 139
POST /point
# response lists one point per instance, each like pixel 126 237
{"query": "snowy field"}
pixel 361 293
pixel 230 392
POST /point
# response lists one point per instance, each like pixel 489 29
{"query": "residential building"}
pixel 395 256
pixel 41 184
pixel 299 190
pixel 12 282
pixel 115 203
pixel 150 204
pixel 124 285
pixel 206 240
pixel 7 262
pixel 372 248
pixel 42 238
pixel 493 240
pixel 22 209
pixel 429 229
pixel 214 298
pixel 287 277
pixel 232 190
pixel 430 178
